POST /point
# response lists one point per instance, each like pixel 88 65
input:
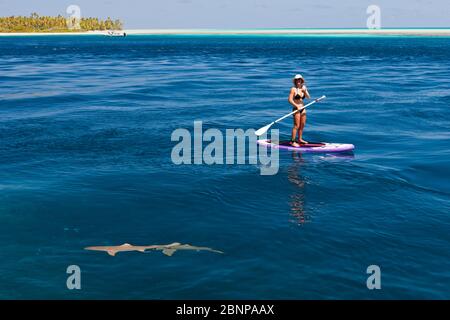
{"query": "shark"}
pixel 167 249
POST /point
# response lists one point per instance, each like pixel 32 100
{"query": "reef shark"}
pixel 167 249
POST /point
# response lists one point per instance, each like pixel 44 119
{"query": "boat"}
pixel 112 33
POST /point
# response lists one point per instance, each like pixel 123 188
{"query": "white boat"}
pixel 111 33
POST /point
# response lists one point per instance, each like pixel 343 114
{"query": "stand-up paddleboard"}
pixel 317 147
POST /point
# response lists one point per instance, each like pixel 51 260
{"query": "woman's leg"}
pixel 301 127
pixel 295 128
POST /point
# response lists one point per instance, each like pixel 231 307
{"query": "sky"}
pixel 234 14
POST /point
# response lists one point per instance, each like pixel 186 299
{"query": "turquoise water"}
pixel 85 126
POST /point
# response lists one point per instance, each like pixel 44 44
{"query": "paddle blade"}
pixel 263 130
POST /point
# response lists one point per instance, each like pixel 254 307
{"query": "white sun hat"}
pixel 298 76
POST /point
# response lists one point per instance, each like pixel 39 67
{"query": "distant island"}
pixel 36 23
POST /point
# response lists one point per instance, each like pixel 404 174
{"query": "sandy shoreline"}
pixel 402 32
pixel 425 32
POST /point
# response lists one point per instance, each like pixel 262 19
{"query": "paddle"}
pixel 264 129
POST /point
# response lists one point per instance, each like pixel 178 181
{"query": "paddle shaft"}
pixel 299 110
pixel 264 129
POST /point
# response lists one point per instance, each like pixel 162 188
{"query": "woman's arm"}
pixel 306 92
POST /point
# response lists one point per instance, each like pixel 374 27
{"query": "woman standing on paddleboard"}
pixel 296 96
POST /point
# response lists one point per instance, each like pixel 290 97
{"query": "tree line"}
pixel 36 23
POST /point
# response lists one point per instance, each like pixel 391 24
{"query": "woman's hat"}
pixel 298 76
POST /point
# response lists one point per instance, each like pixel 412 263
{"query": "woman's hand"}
pixel 305 90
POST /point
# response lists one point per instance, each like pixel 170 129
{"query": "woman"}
pixel 296 96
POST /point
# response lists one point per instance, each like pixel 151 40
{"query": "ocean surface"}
pixel 85 160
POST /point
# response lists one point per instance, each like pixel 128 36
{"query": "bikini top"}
pixel 298 96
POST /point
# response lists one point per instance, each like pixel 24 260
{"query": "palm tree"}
pixel 36 23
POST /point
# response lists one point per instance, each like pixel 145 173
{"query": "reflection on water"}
pixel 297 198
pixel 338 156
pixel 298 213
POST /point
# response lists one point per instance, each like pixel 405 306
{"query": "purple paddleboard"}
pixel 310 147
